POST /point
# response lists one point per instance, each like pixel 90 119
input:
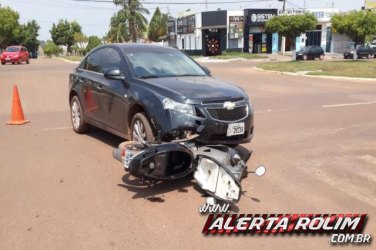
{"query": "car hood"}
pixel 10 53
pixel 195 89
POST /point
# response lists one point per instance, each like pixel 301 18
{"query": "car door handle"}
pixel 99 86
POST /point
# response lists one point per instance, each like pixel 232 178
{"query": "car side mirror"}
pixel 207 71
pixel 114 74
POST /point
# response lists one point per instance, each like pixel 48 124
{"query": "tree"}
pixel 119 31
pixel 291 25
pixel 9 26
pixel 63 33
pixel 133 13
pixel 360 26
pixel 29 34
pixel 93 42
pixel 158 25
pixel 51 49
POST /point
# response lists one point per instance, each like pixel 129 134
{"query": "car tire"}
pixel 3 63
pixel 77 119
pixel 141 124
pixel 305 58
pixel 28 61
pixel 321 57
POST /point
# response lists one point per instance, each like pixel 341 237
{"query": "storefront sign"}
pixel 259 16
pixel 186 25
pixel 322 15
pixel 236 27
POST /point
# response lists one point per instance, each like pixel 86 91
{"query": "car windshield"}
pixel 162 63
pixel 12 49
pixel 306 48
pixel 350 46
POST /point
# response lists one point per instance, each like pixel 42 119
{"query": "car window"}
pixel 111 59
pixel 162 63
pixel 308 48
pixel 83 64
pixel 94 61
pixel 12 49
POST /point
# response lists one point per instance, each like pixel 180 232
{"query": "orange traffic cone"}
pixel 17 112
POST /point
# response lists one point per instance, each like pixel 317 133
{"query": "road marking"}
pixel 58 128
pixel 348 104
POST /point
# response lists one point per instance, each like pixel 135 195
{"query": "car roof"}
pixel 139 46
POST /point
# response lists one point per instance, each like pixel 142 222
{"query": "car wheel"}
pixel 305 58
pixel 3 63
pixel 28 61
pixel 321 57
pixel 141 129
pixel 79 126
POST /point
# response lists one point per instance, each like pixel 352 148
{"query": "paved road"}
pixel 60 190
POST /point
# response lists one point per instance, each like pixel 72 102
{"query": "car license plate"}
pixel 235 129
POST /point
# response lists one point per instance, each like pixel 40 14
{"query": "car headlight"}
pixel 177 106
pixel 351 52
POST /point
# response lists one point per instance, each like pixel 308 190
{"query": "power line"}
pixel 177 3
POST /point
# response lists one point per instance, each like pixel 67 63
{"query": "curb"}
pixel 304 74
pixel 65 60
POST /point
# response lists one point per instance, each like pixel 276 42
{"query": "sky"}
pixel 95 17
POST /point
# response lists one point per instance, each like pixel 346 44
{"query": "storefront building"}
pixel 214 32
pixel 323 35
pixel 188 29
pixel 256 40
pixel 235 30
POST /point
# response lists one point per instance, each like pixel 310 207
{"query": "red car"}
pixel 15 54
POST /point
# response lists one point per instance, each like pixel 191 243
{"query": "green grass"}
pixel 350 68
pixel 232 55
pixel 72 58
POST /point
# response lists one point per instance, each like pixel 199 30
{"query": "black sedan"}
pixel 151 92
pixel 310 52
pixel 361 51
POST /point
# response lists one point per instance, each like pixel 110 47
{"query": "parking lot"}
pixel 60 190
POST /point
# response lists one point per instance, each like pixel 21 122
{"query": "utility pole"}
pixel 283 38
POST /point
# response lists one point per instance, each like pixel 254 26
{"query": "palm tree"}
pixel 119 31
pixel 133 13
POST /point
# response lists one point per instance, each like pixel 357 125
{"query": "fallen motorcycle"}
pixel 217 169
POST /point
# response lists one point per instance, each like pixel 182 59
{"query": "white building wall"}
pixel 339 43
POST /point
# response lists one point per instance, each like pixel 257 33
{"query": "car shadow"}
pixel 105 137
pixel 154 191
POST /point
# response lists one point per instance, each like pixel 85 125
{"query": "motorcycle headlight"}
pixel 177 106
pixel 217 180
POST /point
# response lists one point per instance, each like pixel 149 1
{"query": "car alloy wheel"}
pixel 141 129
pixel 139 133
pixel 79 126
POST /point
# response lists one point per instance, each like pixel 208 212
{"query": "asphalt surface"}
pixel 60 190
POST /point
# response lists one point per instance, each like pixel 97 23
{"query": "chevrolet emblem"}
pixel 229 105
